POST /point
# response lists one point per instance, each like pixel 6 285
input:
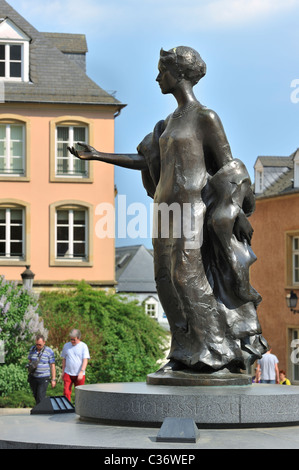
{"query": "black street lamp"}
pixel 27 277
pixel 292 300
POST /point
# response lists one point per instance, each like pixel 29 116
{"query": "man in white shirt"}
pixel 267 367
pixel 75 356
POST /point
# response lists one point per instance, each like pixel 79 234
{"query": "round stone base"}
pixel 189 378
pixel 229 406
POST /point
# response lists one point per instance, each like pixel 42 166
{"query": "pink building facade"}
pixel 48 198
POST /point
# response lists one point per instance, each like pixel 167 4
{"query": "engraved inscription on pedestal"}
pixel 207 406
pixel 157 408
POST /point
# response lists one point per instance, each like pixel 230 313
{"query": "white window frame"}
pixel 71 242
pixel 259 181
pixel 8 157
pixel 8 241
pixel 295 259
pixel 296 174
pixel 259 177
pixel 151 308
pixel 10 35
pixel 294 365
pixel 296 170
pixel 7 60
pixel 70 158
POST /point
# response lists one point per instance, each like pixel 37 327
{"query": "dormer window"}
pixel 259 181
pixel 14 52
pixel 259 178
pixel 296 170
pixel 11 60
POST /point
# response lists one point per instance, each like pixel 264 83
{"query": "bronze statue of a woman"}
pixel 204 287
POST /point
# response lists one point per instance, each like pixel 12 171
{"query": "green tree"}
pixel 125 344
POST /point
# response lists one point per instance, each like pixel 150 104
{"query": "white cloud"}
pixel 210 14
pixel 240 12
pixel 127 15
pixel 70 14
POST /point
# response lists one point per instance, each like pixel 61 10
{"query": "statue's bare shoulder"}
pixel 209 117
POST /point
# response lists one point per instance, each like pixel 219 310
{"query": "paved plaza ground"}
pixel 19 430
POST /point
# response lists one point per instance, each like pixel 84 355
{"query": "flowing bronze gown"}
pixel 202 276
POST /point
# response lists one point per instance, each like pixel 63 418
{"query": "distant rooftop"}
pixel 134 269
pixel 276 175
pixel 53 76
pixel 68 43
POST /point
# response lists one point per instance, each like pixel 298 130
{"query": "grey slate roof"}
pixel 134 269
pixel 278 175
pixel 53 77
pixel 68 43
pixel 73 46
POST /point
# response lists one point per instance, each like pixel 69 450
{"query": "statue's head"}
pixel 184 62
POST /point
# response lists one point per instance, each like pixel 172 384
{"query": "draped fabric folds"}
pixel 205 290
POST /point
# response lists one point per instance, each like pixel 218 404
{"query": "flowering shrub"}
pixel 19 321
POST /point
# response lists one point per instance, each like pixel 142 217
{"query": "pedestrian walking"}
pixel 75 356
pixel 41 368
pixel 268 368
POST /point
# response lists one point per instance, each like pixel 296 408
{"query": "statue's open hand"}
pixel 243 229
pixel 87 152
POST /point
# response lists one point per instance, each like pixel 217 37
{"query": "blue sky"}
pixel 251 48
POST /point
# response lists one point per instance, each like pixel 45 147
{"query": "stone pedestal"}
pixel 227 406
pixel 189 378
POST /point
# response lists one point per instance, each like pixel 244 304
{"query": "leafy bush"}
pixel 13 378
pixel 124 343
pixel 19 320
pixel 25 399
pixel 19 399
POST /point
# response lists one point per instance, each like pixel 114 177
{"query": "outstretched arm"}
pixel 130 160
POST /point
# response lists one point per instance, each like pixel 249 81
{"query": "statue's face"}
pixel 166 79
